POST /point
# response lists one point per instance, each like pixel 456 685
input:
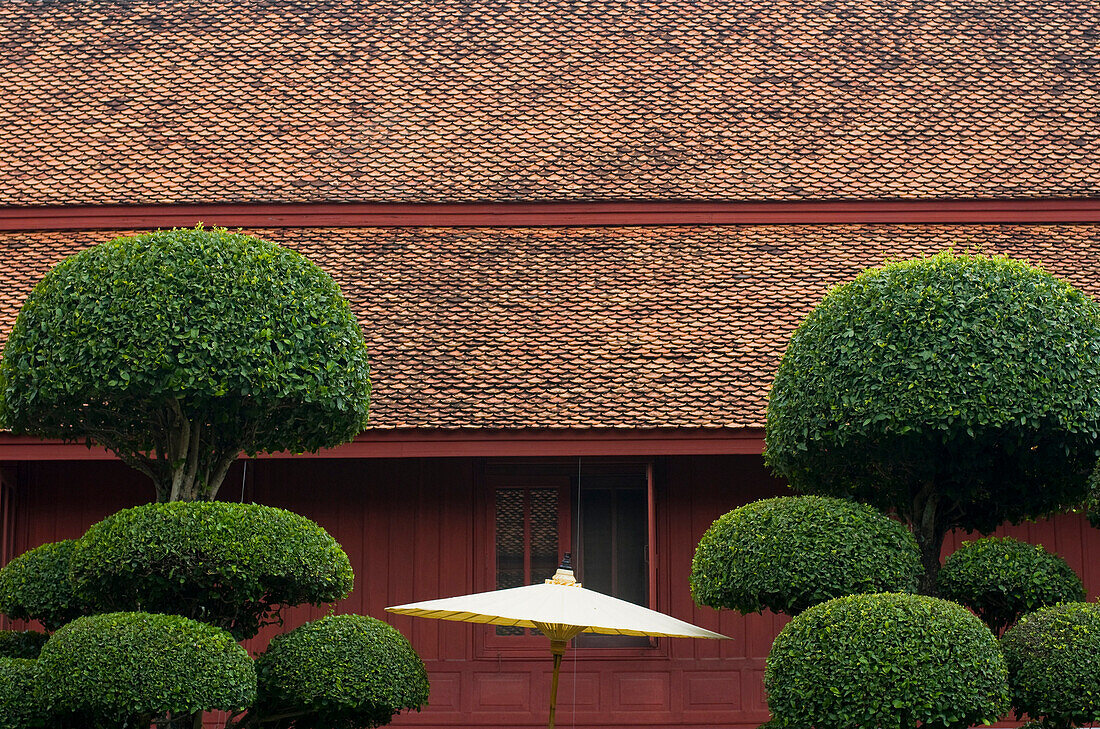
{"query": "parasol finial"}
pixel 564 575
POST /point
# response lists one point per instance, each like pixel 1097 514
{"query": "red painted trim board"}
pixel 357 215
pixel 429 443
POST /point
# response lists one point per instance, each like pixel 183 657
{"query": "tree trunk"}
pixel 926 522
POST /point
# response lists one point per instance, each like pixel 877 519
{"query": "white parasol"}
pixel 561 609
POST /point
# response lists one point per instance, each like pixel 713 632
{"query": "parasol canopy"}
pixel 561 608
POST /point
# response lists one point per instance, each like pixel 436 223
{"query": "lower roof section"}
pixel 467 442
pixel 590 327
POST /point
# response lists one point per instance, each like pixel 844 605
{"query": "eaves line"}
pixel 467 442
pixel 365 215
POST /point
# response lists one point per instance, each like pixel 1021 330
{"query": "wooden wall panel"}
pixel 410 527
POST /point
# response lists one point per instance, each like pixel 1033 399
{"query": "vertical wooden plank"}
pixel 7 524
pixel 457 510
pixel 426 540
pixel 7 513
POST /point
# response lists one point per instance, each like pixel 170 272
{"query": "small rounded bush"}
pixel 1000 579
pixel 230 565
pixel 885 660
pixel 340 672
pixel 1053 657
pixel 18 708
pixel 36 586
pixel 789 553
pixel 112 668
pixel 21 643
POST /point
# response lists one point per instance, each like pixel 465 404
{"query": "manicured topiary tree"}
pixel 1053 657
pixel 786 554
pixel 178 350
pixel 127 669
pixel 961 391
pixel 340 672
pixel 231 565
pixel 885 660
pixel 36 586
pixel 18 707
pixel 1000 579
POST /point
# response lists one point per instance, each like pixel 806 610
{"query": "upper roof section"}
pixel 150 101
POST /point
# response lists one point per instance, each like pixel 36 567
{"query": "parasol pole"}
pixel 557 648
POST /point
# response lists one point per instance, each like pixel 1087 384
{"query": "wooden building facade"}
pixel 577 236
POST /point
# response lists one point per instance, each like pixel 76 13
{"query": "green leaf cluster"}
pixel 1053 657
pixel 1000 579
pixel 18 708
pixel 789 553
pixel 36 586
pixel 244 339
pixel 131 667
pixel 231 565
pixel 340 672
pixel 885 660
pixel 26 644
pixel 978 374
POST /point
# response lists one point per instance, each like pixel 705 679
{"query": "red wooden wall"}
pixel 414 529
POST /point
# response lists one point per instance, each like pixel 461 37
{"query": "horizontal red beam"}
pixel 126 217
pixel 429 443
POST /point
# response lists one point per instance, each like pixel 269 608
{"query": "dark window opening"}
pixel 599 512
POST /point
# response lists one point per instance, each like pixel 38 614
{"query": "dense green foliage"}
pixel 885 660
pixel 1002 578
pixel 179 349
pixel 132 667
pixel 36 586
pixel 18 708
pixel 789 553
pixel 963 391
pixel 1053 658
pixel 26 644
pixel 230 565
pixel 340 672
pixel 1091 505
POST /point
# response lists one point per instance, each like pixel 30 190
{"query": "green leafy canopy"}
pixel 35 586
pixel 340 672
pixel 885 660
pixel 962 391
pixel 231 565
pixel 788 553
pixel 18 707
pixel 1053 657
pixel 1000 579
pixel 118 667
pixel 184 342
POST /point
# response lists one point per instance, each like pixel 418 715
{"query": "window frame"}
pixel 487 644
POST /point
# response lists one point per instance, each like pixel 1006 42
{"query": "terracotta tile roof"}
pixel 151 101
pixel 590 327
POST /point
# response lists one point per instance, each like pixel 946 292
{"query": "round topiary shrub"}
pixel 230 565
pixel 18 707
pixel 123 667
pixel 885 660
pixel 179 349
pixel 961 391
pixel 340 672
pixel 1053 657
pixel 788 553
pixel 1001 578
pixel 25 644
pixel 36 586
